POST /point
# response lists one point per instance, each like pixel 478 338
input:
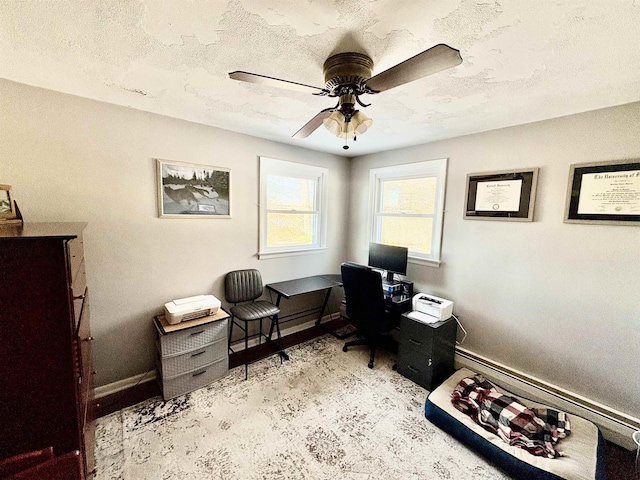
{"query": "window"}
pixel 292 207
pixel 407 208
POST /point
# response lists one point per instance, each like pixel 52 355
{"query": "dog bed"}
pixel 584 454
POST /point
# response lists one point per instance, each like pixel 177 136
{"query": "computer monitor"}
pixel 390 258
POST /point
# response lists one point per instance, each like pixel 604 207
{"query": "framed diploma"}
pixel 604 193
pixel 508 195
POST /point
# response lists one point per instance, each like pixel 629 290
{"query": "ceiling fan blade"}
pixel 430 61
pixel 273 82
pixel 314 123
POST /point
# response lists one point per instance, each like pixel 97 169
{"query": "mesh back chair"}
pixel 243 288
pixel 366 307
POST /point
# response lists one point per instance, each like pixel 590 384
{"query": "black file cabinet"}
pixel 426 351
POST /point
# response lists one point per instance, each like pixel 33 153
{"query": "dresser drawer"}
pixel 183 341
pixel 79 282
pixel 178 364
pixel 83 340
pixel 78 292
pixel 198 378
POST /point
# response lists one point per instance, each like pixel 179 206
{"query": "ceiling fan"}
pixel 348 76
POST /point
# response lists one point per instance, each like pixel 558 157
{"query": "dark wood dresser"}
pixel 46 377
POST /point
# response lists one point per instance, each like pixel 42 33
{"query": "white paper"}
pixel 498 196
pixel 610 193
pixel 422 317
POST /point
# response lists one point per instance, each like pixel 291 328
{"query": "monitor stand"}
pixel 389 278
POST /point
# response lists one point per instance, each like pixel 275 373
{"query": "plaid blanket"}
pixel 536 430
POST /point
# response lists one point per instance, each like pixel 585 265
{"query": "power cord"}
pixel 461 328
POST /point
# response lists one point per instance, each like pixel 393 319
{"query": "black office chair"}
pixel 366 307
pixel 242 288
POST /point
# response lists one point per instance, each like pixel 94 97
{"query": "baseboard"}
pixel 616 426
pixel 124 384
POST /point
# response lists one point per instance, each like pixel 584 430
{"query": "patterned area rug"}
pixel 321 415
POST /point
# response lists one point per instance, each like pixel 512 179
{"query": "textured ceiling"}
pixel 523 60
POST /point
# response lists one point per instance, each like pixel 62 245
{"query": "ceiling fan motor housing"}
pixel 348 68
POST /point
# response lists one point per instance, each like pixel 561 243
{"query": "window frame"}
pixel 429 168
pixel 284 168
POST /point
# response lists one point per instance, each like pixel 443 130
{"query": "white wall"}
pixel 557 301
pixel 72 159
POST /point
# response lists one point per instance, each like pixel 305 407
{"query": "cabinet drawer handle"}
pixel 79 297
pixel 200 373
pixel 414 370
pixel 197 333
pixel 89 339
pixel 199 353
pixel 415 342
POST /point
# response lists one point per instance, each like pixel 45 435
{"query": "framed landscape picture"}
pixel 604 193
pixel 187 190
pixel 507 195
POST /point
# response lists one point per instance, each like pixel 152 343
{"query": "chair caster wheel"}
pixel 344 349
pixel 394 367
pixel 370 365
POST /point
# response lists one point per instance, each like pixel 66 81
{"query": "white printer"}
pixel 190 308
pixel 429 308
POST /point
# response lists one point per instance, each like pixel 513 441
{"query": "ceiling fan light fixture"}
pixel 334 123
pixel 361 122
pixel 337 125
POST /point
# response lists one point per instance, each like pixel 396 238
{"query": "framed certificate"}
pixel 604 193
pixel 507 195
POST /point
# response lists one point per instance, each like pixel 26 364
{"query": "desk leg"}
pixel 277 305
pixel 344 336
pixel 324 306
pixel 281 352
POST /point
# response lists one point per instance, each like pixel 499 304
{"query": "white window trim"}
pixel 272 166
pixel 436 168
